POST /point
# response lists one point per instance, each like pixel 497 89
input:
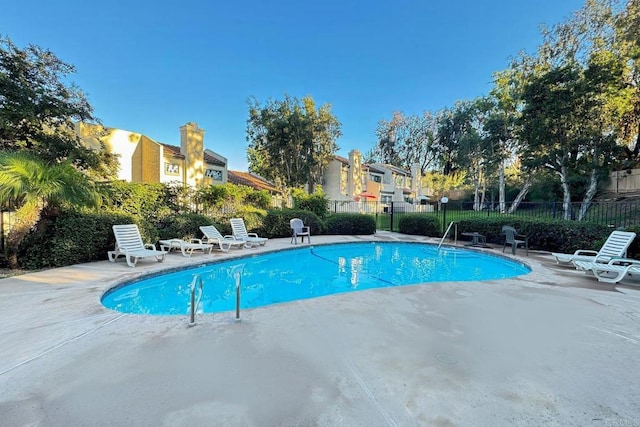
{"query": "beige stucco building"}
pixel 351 180
pixel 142 159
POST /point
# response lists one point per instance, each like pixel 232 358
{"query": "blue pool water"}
pixel 306 273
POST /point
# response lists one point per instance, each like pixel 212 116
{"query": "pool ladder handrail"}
pixel 237 273
pixel 197 280
pixel 455 233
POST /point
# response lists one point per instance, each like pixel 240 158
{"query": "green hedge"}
pixel 276 223
pixel 548 235
pixel 420 224
pixel 315 203
pixel 253 219
pixel 351 224
pixel 634 249
pixel 182 226
pixel 72 238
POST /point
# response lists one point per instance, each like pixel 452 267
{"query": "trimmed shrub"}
pixel 548 235
pixel 351 224
pixel 253 218
pixel 258 198
pixel 316 203
pixel 145 201
pixel 182 226
pixel 419 224
pixel 276 223
pixel 71 238
pixel 543 234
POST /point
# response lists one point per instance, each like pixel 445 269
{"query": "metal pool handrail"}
pixel 238 277
pixel 451 224
pixel 197 280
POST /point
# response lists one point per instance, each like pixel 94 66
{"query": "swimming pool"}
pixel 307 273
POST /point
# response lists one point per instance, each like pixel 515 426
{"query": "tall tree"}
pixel 291 142
pixel 454 125
pixel 406 140
pixel 500 131
pixel 568 123
pixel 38 109
pixel 628 49
pixel 390 136
pixel 572 85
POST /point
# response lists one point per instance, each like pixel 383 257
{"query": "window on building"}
pixel 171 169
pixel 216 175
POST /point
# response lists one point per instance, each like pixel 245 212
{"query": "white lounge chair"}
pixel 187 248
pixel 299 229
pixel 612 271
pixel 240 233
pixel 129 245
pixel 213 236
pixel 615 247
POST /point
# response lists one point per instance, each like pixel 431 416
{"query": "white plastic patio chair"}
pixel 299 229
pixel 615 246
pixel 240 233
pixel 129 245
pixel 224 243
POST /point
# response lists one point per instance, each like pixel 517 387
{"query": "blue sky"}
pixel 151 66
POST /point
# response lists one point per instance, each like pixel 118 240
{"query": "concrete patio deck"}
pixel 551 348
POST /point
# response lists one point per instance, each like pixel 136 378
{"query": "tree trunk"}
pixel 476 195
pixel 566 192
pixel 501 188
pixel 589 195
pixel 521 195
pixel 311 185
pixel 26 217
pixel 476 191
pixel 484 193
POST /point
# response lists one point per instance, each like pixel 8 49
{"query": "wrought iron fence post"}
pixel 376 213
pixel 391 213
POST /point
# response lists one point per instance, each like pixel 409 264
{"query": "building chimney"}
pixel 192 148
pixel 354 185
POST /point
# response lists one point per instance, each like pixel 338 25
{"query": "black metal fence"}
pixel 612 214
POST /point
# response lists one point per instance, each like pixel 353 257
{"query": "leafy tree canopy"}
pixel 38 109
pixel 406 140
pixel 291 141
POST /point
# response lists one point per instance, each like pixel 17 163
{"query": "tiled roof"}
pixel 342 160
pixel 250 180
pixel 175 151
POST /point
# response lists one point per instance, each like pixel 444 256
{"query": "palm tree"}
pixel 38 189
